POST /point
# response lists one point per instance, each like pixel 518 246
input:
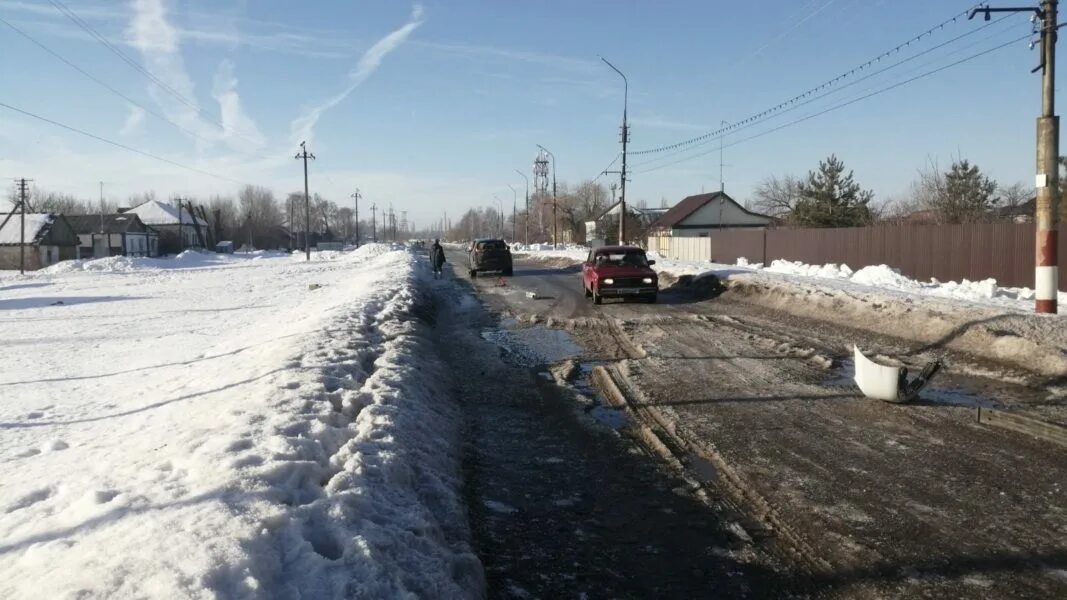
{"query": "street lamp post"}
pixel 625 138
pixel 500 205
pixel 526 222
pixel 555 221
pixel 514 209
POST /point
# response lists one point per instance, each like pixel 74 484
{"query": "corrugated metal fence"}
pixel 1003 251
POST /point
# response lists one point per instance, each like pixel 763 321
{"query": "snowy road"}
pixel 857 498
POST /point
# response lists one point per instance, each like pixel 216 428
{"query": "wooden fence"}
pixel 1003 251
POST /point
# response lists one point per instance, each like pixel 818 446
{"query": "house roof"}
pixel 155 212
pixel 690 204
pixel 117 223
pixel 37 226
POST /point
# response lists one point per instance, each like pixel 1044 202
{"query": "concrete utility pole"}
pixel 625 139
pixel 526 222
pixel 356 196
pixel 555 221
pixel 305 155
pixel 374 222
pixel 1046 270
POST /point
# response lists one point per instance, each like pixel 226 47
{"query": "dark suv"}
pixel 489 255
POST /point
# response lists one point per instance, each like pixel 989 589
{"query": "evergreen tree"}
pixel 969 195
pixel 832 198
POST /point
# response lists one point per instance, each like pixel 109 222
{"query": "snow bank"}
pixel 228 432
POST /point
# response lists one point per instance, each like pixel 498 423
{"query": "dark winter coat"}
pixel 437 256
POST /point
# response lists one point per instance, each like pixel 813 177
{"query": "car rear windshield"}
pixel 493 245
pixel 633 258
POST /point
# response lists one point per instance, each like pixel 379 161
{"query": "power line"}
pixel 70 14
pixel 840 88
pixel 794 99
pixel 101 83
pixel 192 104
pixel 796 25
pixel 117 144
pixel 604 171
pixel 844 104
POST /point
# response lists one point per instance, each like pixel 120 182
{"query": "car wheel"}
pixel 473 273
pixel 597 298
pixel 651 298
pixel 509 272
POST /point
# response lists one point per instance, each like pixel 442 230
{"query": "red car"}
pixel 619 272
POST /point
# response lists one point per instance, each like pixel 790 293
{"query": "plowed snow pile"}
pixel 227 427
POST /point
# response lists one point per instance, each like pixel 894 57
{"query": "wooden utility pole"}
pixel 374 222
pixel 356 196
pixel 305 155
pixel 1046 267
pixel 23 194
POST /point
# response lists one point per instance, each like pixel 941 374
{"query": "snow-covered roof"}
pixel 36 225
pixel 155 212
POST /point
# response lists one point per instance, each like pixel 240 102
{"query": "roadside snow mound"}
pixel 259 440
pixel 827 271
pixel 883 277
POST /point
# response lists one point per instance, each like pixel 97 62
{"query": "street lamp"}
pixel 625 138
pixel 554 220
pixel 514 204
pixel 527 221
pixel 501 206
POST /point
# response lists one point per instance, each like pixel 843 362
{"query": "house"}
pixel 178 228
pixel 48 239
pixel 699 215
pixel 114 235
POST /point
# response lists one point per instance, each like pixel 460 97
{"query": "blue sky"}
pixel 431 106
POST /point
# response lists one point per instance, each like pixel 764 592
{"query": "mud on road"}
pixel 836 495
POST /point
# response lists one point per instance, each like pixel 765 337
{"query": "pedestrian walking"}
pixel 437 258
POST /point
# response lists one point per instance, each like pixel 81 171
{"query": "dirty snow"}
pixel 875 277
pixel 227 426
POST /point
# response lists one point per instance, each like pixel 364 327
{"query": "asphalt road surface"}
pixel 834 495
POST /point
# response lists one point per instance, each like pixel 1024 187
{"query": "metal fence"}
pixel 976 251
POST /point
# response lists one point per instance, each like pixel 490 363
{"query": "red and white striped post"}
pixel 1046 272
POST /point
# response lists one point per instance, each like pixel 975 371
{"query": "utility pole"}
pixel 625 139
pixel 374 222
pixel 356 196
pixel 23 194
pixel 102 209
pixel 1046 267
pixel 526 221
pixel 305 155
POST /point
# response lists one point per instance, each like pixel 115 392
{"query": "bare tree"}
pixel 777 196
pixel 224 218
pixel 1012 199
pixel 259 215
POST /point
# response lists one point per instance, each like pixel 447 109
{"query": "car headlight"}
pixel 609 281
pixel 647 280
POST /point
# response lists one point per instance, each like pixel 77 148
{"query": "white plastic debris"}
pixel 876 381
